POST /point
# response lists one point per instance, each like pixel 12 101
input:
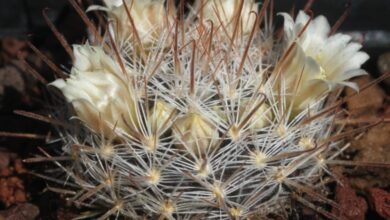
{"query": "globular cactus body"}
pixel 205 115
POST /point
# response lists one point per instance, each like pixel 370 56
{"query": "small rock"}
pixel 351 206
pixel 11 77
pixel 25 211
pixel 64 214
pixel 373 146
pixel 20 195
pixel 5 172
pixel 19 168
pixel 4 160
pixel 12 191
pixel 384 65
pixel 380 199
pixel 368 101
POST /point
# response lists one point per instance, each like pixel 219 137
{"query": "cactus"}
pixel 204 114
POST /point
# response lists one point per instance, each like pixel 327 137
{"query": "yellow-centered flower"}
pixel 316 62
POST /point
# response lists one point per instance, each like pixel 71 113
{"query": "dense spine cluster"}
pixel 204 114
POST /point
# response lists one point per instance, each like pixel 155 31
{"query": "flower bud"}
pixel 161 116
pixel 149 18
pixel 260 118
pixel 224 13
pixel 195 132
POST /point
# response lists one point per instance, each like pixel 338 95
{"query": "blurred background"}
pixel 20 20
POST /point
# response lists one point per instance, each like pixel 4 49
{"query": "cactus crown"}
pixel 205 114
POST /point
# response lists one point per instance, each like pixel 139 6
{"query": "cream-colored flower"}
pixel 320 62
pixel 299 80
pixel 149 18
pixel 99 94
pixel 113 3
pixel 224 13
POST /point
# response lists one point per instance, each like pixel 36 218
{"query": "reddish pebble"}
pixel 350 206
pixel 381 201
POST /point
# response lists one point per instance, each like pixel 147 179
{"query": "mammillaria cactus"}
pixel 204 115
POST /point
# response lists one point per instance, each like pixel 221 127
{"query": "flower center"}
pixel 322 75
